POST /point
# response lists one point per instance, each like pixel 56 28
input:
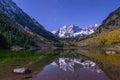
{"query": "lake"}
pixel 61 65
pixel 71 69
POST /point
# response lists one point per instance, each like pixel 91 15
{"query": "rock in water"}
pixel 22 71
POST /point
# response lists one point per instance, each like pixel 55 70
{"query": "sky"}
pixel 53 14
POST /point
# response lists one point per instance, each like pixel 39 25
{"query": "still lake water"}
pixel 61 65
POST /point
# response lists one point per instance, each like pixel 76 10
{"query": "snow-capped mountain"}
pixel 73 31
pixel 17 15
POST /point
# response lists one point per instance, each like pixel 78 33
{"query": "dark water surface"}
pixel 71 69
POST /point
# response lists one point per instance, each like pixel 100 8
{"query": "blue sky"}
pixel 53 14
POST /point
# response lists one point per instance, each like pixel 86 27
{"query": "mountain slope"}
pixel 108 34
pixel 12 34
pixel 9 8
pixel 112 22
pixel 105 39
pixel 73 31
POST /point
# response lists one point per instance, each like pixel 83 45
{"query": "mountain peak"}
pixel 73 31
pixel 72 25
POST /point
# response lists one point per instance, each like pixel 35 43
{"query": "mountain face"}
pixel 13 34
pixel 16 14
pixel 108 33
pixel 73 31
pixel 111 23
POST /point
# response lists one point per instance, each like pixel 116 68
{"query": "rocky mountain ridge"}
pixel 73 31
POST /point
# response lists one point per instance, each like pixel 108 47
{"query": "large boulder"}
pixel 21 71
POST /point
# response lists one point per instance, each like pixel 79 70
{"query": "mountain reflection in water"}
pixel 71 69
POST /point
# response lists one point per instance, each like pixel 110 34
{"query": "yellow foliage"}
pixel 106 38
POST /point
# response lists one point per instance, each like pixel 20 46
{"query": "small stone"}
pixel 108 52
pixel 22 71
pixel 113 52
